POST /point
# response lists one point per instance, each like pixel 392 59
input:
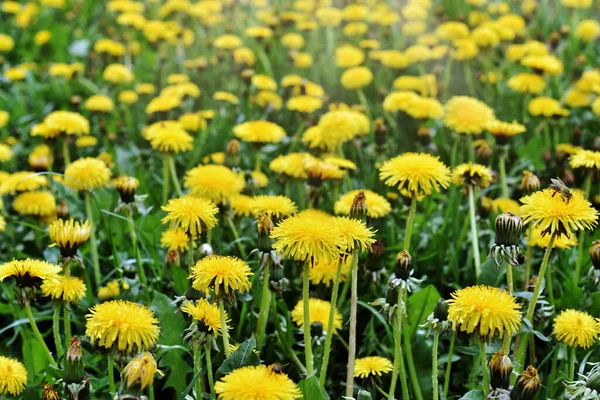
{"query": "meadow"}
pixel 309 199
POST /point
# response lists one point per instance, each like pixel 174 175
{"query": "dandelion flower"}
pixel 256 383
pixel 319 312
pixel 69 289
pixel 29 271
pixel 175 239
pixel 110 291
pixel 504 204
pixel 292 165
pixel 13 376
pixel 325 273
pixel 469 174
pixel 553 215
pixel 377 205
pixel 546 107
pixel 355 233
pixel 585 159
pixel 576 328
pixel 372 366
pixel 527 83
pixel 221 274
pixel 6 153
pixel 419 173
pixel 305 238
pixel 207 315
pixel 241 204
pixel 215 182
pixel 169 137
pixel 356 77
pixel 67 122
pixel 305 104
pixel 318 171
pixel 503 131
pixel 467 115
pixel 69 235
pixel 124 324
pixel 275 206
pixel 39 204
pixel 23 181
pixel 86 173
pixel 99 103
pixel 542 241
pixel 192 214
pixel 141 370
pixel 485 310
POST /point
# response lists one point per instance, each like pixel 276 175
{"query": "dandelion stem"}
pixel 329 336
pixel 484 369
pixel 174 177
pixel 586 190
pixel 353 321
pixel 66 153
pixel 502 169
pixel 306 322
pixel 236 235
pixel 265 304
pixel 434 366
pixel 449 366
pixel 410 362
pixel 209 373
pixel 165 193
pixel 528 257
pixel 409 224
pixel 572 364
pixel 364 102
pixel 67 322
pixel 224 331
pixel 136 250
pixel 199 384
pixel 56 330
pixel 511 289
pixel 474 233
pixel 93 244
pixel 111 375
pixel 398 354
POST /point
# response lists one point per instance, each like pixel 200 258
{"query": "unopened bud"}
pixel 380 132
pixel 316 329
pixel 265 226
pixel 403 265
pixel 364 395
pixel 126 186
pixel 500 367
pixel 595 254
pixel 74 372
pixel 358 209
pixel 139 372
pixel 440 312
pixel 508 229
pixel 530 182
pixel 527 385
pixel 233 148
pixel 62 210
pixel 424 135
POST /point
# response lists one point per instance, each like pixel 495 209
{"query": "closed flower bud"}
pixel 403 265
pixel 595 254
pixel 358 209
pixel 264 225
pixel 424 135
pixel 62 210
pixel 440 312
pixel 501 367
pixel 527 385
pixel 73 372
pixel 380 132
pixel 139 372
pixel 233 148
pixel 530 182
pixel 126 186
pixel 508 229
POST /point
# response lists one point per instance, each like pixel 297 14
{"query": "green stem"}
pixel 111 375
pixel 586 190
pixel 449 366
pixel 136 250
pixel 165 193
pixel 174 177
pixel 56 330
pixel 410 362
pixel 572 365
pixel 474 233
pixel 550 391
pixel 364 102
pixel 470 148
pixel 484 369
pixel 398 354
pixel 209 373
pixel 409 223
pixel 306 324
pixel 67 322
pixel 528 256
pixel 199 384
pixel 434 365
pixel 224 330
pixel 265 303
pixel 93 243
pixel 66 153
pixel 329 336
pixel 353 321
pixel 511 289
pixel 236 235
pixel 257 160
pixel 502 169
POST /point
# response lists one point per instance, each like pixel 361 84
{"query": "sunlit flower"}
pixel 419 173
pixel 527 83
pixel 377 205
pixel 169 137
pixel 215 182
pixel 29 271
pixel 226 96
pixel 140 370
pixel 585 159
pixel 241 384
pixel 117 73
pixel 37 203
pixel 276 206
pixel 372 366
pixel 99 103
pixel 13 377
pixel 86 173
pixel 546 107
pixel 192 214
pixel 23 181
pixel 588 30
pixel 355 233
pixel 110 291
pixel 175 239
pixel 259 132
pixel 69 289
pixel 292 164
pixel 222 274
pixel 469 174
pixel 319 312
pixel 325 273
pixel 576 328
pixel 467 115
pixel 67 122
pixel 347 56
pixel 356 77
pixel 542 241
pixel 69 235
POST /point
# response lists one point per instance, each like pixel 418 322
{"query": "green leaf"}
pixel 180 280
pixel 243 356
pixel 489 273
pixel 420 305
pixel 311 390
pixel 474 395
pixel 34 357
pixel 364 395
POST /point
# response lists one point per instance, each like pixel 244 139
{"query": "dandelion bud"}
pixel 126 186
pixel 501 367
pixel 403 265
pixel 316 329
pixel 173 257
pixel 595 254
pixel 358 209
pixel 247 74
pixel 73 372
pixel 49 393
pixel 440 312
pixel 140 371
pixel 483 151
pixel 424 135
pixel 527 385
pixel 62 210
pixel 380 132
pixel 530 182
pixel 508 229
pixel 265 225
pixel 233 148
pixel 69 235
pixel 277 282
pixel 565 30
pixel 593 380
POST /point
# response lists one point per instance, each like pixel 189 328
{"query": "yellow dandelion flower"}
pixel 241 204
pixel 355 233
pixel 192 214
pixel 399 101
pixel 23 181
pixel 259 132
pixel 503 131
pixel 485 310
pixel 588 30
pixel 470 174
pixel 467 115
pixel 6 153
pixel 425 108
pixel 292 165
pixel 272 205
pixel 215 182
pixel 110 291
pixel 163 104
pixel 126 186
pixel 542 241
pixel 527 83
pixel 65 288
pixel 67 122
pixel 175 239
pixel 305 104
pixel 13 376
pixel 145 88
pixel 325 272
pixel 259 179
pixel 548 64
pixel 504 204
pixel 40 204
pixel 128 97
pixel 419 173
pixel 319 312
pixel 117 73
pixel 347 56
pixel 221 274
pixel 169 137
pixel 576 328
pixel 304 238
pixel 372 366
pixel 69 235
pixel 99 103
pixel 226 97
pixel 227 42
pixel 318 170
pixel 553 215
pixel 241 384
pixel 343 163
pixel 206 314
pixel 141 370
pixel 585 159
pixel 86 141
pixel 356 77
pixel 86 173
pixel 122 324
pixel 546 107
pixel 377 205
pixel 2 223
pixel 29 269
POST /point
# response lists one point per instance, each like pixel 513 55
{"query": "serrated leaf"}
pixel 311 390
pixel 420 305
pixel 242 357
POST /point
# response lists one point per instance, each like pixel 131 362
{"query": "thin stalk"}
pixel 111 375
pixel 174 177
pixel 410 362
pixel 209 373
pixel 199 384
pixel 353 321
pixel 586 190
pixel 474 233
pixel 66 153
pixel 93 243
pixel 224 330
pixel 306 323
pixel 434 365
pixel 550 391
pixel 191 253
pixel 329 336
pixel 511 289
pixel 398 354
pixel 136 249
pixel 470 148
pixel 165 194
pixel 528 256
pixel 265 303
pixel 484 369
pixel 502 170
pixel 67 322
pixel 56 330
pixel 38 335
pixel 572 365
pixel 364 102
pixel 409 224
pixel 449 366
pixel 236 235
pixel 257 160
pixel 151 391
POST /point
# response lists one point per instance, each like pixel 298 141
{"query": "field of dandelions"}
pixel 299 199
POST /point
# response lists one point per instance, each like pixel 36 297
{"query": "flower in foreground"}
pixel 223 274
pixel 371 366
pixel 419 173
pixel 275 206
pixel 257 383
pixel 553 215
pixel 29 271
pixel 319 312
pixel 13 376
pixel 141 370
pixel 484 310
pixel 192 214
pixel 69 289
pixel 356 234
pixel 122 324
pixel 206 314
pixel 576 328
pixel 69 235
